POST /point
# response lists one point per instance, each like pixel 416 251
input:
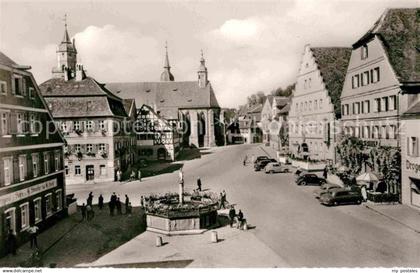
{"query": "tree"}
pixel 288 91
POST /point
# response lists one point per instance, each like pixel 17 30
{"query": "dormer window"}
pixel 364 52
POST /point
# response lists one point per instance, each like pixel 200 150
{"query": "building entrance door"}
pixel 90 172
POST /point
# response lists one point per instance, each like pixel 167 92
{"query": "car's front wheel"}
pixel 303 183
pixel 271 172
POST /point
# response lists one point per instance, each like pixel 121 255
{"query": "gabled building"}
pixel 32 181
pixel 279 129
pixel 157 139
pixel 384 65
pixel 315 106
pixel 270 125
pixel 100 140
pixel 192 105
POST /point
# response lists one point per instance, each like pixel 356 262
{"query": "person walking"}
pixel 127 203
pixel 325 173
pixel 100 202
pixel 240 219
pixel 112 203
pixel 33 234
pixel 199 184
pixel 83 209
pixel 118 204
pixel 232 215
pixel 222 201
pixel 90 212
pixel 132 175
pixel 224 196
pixel 245 159
pixel 90 199
pixel 11 242
pixel 139 175
pixel 142 201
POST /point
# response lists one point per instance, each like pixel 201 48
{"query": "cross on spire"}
pixel 65 20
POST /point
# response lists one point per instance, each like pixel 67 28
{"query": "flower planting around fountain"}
pixel 194 214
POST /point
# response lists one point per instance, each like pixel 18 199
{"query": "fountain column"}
pixel 181 187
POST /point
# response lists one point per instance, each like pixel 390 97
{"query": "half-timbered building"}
pixel 157 138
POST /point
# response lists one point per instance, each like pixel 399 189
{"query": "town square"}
pixel 133 142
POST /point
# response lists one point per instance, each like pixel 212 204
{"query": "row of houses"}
pixel 355 107
pixel 73 129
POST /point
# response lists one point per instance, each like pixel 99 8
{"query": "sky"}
pixel 249 46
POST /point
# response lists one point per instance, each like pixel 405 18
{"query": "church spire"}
pixel 166 65
pixel 66 38
pixel 202 72
pixel 66 56
pixel 166 75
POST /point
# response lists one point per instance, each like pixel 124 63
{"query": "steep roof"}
pixel 168 97
pixel 128 103
pixel 85 98
pixel 399 31
pixel 285 109
pixel 4 60
pixel 281 101
pixel 414 110
pixel 332 63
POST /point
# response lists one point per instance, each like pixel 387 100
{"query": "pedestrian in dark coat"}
pixel 232 215
pixel 240 219
pixel 83 209
pixel 11 242
pixel 222 201
pixel 142 201
pixel 325 173
pixel 199 184
pixel 118 204
pixel 112 203
pixel 127 203
pixel 90 199
pixel 100 201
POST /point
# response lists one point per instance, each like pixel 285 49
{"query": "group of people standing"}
pixel 133 175
pixel 240 220
pixel 11 242
pixel 114 204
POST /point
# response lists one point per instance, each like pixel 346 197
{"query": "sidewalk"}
pixel 236 248
pixel 46 240
pixel 406 216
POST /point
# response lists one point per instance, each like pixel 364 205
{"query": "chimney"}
pixel 74 43
pixel 79 72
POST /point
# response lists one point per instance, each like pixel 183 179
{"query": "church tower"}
pixel 166 75
pixel 66 57
pixel 202 73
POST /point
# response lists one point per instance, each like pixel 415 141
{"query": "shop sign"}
pixel 412 166
pixel 27 192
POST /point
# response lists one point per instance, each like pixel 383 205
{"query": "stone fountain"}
pixel 181 213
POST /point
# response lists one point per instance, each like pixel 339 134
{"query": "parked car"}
pixel 259 158
pixel 261 164
pixel 325 188
pixel 274 167
pixel 310 178
pixel 341 196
